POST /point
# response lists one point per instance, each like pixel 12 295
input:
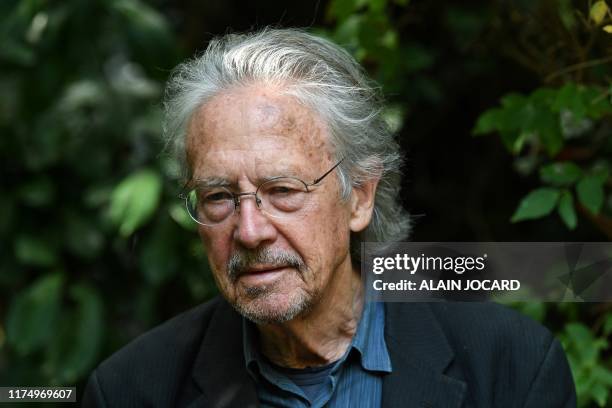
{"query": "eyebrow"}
pixel 208 182
pixel 287 173
pixel 212 182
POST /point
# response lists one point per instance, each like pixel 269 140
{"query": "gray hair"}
pixel 323 77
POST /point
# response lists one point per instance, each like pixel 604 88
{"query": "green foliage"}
pixel 540 202
pixel 366 29
pixel 536 204
pixel 560 129
pixel 538 118
pixel 560 174
pixel 567 211
pixel 563 130
pixel 34 314
pixel 535 310
pixel 87 198
pixel 76 346
pixel 584 351
pixel 598 11
pixel 134 200
pixel 591 191
pixel 31 250
pixel 96 239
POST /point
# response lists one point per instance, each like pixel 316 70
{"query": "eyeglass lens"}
pixel 278 198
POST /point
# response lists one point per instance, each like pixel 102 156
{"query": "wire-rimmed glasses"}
pixel 279 197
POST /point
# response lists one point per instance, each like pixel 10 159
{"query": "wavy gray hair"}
pixel 324 77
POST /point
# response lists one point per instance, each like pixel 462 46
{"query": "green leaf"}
pixel 178 213
pixel 34 313
pixel 580 335
pixel 567 14
pixel 586 348
pixel 598 11
pixel 582 101
pixel 523 118
pixel 535 310
pixel 75 349
pixel 602 375
pixel 347 33
pixel 81 94
pixel 560 174
pixel 504 120
pixel 519 142
pixel 546 125
pixel 543 96
pixel 34 251
pixel 394 117
pixel 567 211
pixel 513 100
pixel 141 15
pixel 488 122
pixel 536 204
pixel 599 393
pixel 591 193
pixel 135 200
pixel 531 118
pixel 568 98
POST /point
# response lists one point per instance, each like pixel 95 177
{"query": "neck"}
pixel 325 333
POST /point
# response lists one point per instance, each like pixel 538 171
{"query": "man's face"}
pixel 270 269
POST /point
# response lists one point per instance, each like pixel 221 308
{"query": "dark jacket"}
pixel 442 355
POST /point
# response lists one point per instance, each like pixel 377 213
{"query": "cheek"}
pixel 329 233
pixel 217 250
pixel 339 234
pixel 339 228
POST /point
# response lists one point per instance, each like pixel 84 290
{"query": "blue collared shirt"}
pixel 354 381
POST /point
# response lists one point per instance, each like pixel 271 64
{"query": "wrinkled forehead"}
pixel 233 165
pixel 256 120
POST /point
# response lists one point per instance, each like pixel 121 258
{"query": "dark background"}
pixel 96 248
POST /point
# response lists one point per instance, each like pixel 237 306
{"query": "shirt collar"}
pixel 370 338
pixel 369 341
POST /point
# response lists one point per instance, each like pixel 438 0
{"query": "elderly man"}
pixel 290 167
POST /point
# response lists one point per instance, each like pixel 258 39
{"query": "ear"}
pixel 362 204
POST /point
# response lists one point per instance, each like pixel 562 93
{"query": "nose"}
pixel 253 227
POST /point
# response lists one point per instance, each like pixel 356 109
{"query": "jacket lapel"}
pixel 419 353
pixel 219 369
pixel 418 349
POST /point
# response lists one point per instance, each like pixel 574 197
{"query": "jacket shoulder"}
pixel 154 365
pixel 512 356
pixel 488 322
pixel 484 332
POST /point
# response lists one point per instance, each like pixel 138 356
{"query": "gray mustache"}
pixel 243 260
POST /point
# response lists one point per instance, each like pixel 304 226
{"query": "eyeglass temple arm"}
pixel 183 194
pixel 328 171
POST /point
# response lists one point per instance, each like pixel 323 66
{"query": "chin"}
pixel 267 307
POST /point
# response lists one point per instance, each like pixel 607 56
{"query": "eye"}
pixel 216 196
pixel 279 190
